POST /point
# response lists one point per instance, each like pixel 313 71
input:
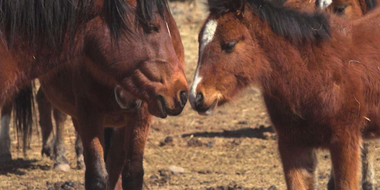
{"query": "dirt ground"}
pixel 235 147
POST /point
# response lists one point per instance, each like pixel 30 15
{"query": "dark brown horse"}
pixel 94 102
pixel 319 76
pixel 39 35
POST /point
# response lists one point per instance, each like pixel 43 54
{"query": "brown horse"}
pixel 39 35
pixel 95 103
pixel 318 73
pixel 349 9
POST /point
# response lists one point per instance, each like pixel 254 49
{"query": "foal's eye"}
pixel 153 28
pixel 339 9
pixel 229 46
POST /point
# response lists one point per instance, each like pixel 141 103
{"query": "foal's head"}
pixel 235 42
pixel 228 56
pixel 143 62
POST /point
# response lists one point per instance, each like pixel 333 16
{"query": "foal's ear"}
pixel 223 6
pixel 237 6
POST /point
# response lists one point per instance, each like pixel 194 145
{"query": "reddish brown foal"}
pixel 319 75
pixel 350 9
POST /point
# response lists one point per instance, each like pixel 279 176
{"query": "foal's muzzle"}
pixel 199 105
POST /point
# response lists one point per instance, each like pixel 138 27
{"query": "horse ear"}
pixel 221 6
pixel 238 6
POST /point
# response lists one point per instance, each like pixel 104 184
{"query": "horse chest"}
pixel 297 127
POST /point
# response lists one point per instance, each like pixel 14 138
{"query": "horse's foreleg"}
pixel 90 129
pixel 345 156
pixel 116 159
pixel 368 173
pixel 137 133
pixel 60 161
pixel 46 124
pixel 5 140
pixel 79 151
pixel 300 166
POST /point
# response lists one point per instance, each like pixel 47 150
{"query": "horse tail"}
pixel 23 110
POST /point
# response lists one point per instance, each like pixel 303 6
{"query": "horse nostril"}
pixel 183 98
pixel 199 100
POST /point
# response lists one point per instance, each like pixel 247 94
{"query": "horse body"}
pixel 95 101
pixel 318 75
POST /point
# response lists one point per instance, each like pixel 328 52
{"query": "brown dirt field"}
pixel 233 147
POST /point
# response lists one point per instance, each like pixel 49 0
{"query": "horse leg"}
pixel 45 109
pixel 60 161
pixel 300 166
pixel 5 140
pixel 90 129
pixel 345 156
pixel 368 173
pixel 79 151
pixel 136 134
pixel 331 183
pixel 116 159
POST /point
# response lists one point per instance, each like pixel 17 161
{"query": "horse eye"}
pixel 339 9
pixel 229 46
pixel 153 28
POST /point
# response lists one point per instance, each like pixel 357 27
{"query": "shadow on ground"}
pixel 14 166
pixel 239 133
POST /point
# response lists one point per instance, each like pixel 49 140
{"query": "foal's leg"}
pixel 79 151
pixel 46 123
pixel 60 161
pixel 5 140
pixel 136 134
pixel 90 128
pixel 368 173
pixel 345 156
pixel 299 165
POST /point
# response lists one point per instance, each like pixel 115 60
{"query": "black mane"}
pixel 41 21
pixel 370 4
pixel 294 25
pixel 46 22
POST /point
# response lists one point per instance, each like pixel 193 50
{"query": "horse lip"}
pixel 162 106
pixel 165 111
pixel 207 111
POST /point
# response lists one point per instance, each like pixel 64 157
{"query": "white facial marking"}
pixel 208 35
pixel 324 3
pixel 5 120
pixel 167 27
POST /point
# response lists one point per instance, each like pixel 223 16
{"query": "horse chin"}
pixel 209 110
pixel 127 105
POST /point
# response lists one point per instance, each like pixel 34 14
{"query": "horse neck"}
pixel 285 66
